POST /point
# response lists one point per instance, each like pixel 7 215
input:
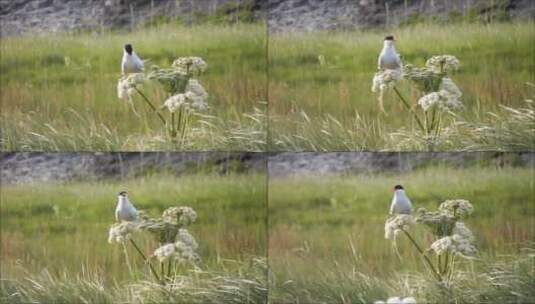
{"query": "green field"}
pixel 327 240
pixel 58 92
pixel 327 105
pixel 56 235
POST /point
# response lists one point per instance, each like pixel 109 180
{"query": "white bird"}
pixel 131 63
pixel 401 204
pixel 389 58
pixel 125 211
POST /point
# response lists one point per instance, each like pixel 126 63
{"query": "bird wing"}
pixel 138 63
pixel 380 61
pixel 392 206
pixel 117 214
pixel 123 64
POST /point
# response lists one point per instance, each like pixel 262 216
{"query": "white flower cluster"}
pixel 181 215
pixel 456 208
pixel 194 98
pixel 397 300
pixel 190 65
pixel 183 250
pixel 443 63
pixel 395 224
pixel 383 80
pixel 120 233
pixel 446 98
pixel 460 242
pixel 126 85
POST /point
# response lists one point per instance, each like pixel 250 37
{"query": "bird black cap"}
pixel 122 193
pixel 389 38
pixel 128 48
pixel 398 187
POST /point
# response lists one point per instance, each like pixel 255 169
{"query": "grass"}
pixel 55 249
pixel 327 237
pixel 326 104
pixel 58 92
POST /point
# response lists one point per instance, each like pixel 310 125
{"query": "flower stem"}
pixel 435 273
pixel 406 104
pixel 151 105
pixel 146 261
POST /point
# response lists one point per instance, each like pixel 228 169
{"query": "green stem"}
pixel 406 104
pixel 433 118
pixel 184 129
pixel 146 260
pixel 429 263
pixel 169 265
pixel 439 263
pixel 128 261
pixel 172 130
pixel 445 270
pixel 151 106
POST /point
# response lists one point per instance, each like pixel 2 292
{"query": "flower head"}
pixel 443 63
pixel 442 245
pixel 394 225
pixel 165 252
pixel 458 208
pixel 425 79
pixel 174 102
pixel 119 233
pixel 385 79
pixel 440 224
pixel 397 300
pixel 190 65
pixel 173 81
pixel 180 215
pixel 447 98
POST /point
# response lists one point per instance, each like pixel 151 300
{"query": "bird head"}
pixel 389 40
pixel 398 187
pixel 128 48
pixel 122 194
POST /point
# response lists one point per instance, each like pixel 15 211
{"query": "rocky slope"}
pixel 312 15
pixel 31 16
pixel 19 168
pixel 341 163
pixel 34 16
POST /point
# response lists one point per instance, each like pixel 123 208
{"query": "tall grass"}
pixel 326 241
pixel 58 92
pixel 320 96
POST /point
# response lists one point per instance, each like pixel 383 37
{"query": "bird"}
pixel 389 58
pixel 401 204
pixel 125 211
pixel 131 63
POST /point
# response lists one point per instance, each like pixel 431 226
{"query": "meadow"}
pixel 55 249
pixel 59 91
pixel 320 95
pixel 327 244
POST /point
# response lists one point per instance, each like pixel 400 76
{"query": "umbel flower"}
pixel 425 79
pixel 385 79
pixel 183 250
pixel 397 300
pixel 190 65
pixel 443 63
pixel 193 99
pixel 121 232
pixel 460 242
pixel 182 216
pixel 173 81
pixel 126 85
pixel 394 225
pixel 440 224
pixel 458 208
